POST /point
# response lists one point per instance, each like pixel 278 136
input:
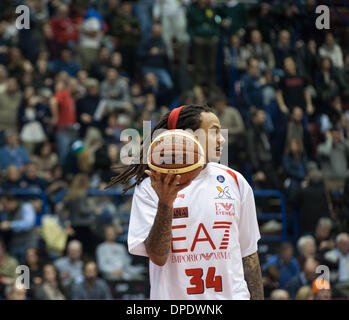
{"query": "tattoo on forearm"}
pixel 160 235
pixel 253 276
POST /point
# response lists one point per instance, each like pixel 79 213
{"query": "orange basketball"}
pixel 178 152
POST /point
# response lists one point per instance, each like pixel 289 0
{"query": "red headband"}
pixel 173 118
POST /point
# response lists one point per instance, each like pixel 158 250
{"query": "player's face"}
pixel 214 139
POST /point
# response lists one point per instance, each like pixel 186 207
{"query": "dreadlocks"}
pixel 189 118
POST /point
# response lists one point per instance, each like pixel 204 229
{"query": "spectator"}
pixel 334 159
pixel 261 51
pixel 20 218
pixel 144 14
pixel 322 290
pixel 231 120
pixel 283 49
pixel 286 264
pixel 295 166
pixel 12 179
pixel 115 90
pixel 311 202
pixel 153 86
pixel 332 50
pixel 305 293
pixel 112 258
pixel 279 294
pixel 65 63
pixel 172 16
pixel 31 180
pixel 44 160
pixel 13 292
pixel 92 287
pixel 324 241
pixel 271 280
pixel 90 38
pixel 70 266
pixel 8 267
pixel 292 90
pixel 204 32
pixel 307 249
pixel 34 263
pixel 305 278
pixel 76 213
pixel 154 57
pixel 64 116
pixel 126 28
pixel 99 68
pixel 107 156
pixel 86 107
pixel 10 100
pixel 51 287
pixel 259 151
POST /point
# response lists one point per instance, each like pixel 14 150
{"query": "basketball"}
pixel 178 152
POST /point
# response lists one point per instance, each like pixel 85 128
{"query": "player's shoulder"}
pixel 225 171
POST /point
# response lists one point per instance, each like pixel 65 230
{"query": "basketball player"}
pixel 200 237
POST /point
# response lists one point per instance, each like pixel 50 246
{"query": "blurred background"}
pixel 86 70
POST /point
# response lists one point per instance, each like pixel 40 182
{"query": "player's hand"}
pixel 166 186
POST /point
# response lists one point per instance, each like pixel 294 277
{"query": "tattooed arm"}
pixel 158 242
pixel 253 276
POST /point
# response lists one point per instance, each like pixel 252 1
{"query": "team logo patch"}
pixel 223 193
pixel 224 209
pixel 180 212
pixel 220 179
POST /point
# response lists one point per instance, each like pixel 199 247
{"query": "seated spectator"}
pixel 13 292
pixel 271 280
pixel 66 63
pixel 279 294
pixel 305 278
pixel 86 107
pixel 10 101
pixel 70 266
pixel 305 293
pixel 322 290
pixel 340 257
pixel 50 288
pixel 31 179
pixel 12 153
pixel 13 178
pixel 334 159
pixel 113 260
pixel 44 160
pixel 286 264
pixel 323 238
pixel 335 116
pixel 154 57
pixel 332 50
pixel 292 90
pixel 115 90
pixel 260 50
pixel 20 219
pixel 76 213
pixel 259 152
pixel 8 267
pixel 106 157
pixel 295 166
pixel 58 182
pixel 152 85
pixel 306 248
pixel 284 48
pixel 34 263
pixel 311 201
pixel 91 287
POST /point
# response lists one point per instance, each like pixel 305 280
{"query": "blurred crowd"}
pixel 86 70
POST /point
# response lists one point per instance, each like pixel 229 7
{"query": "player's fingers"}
pixel 176 180
pixel 183 185
pixel 148 172
pixel 168 178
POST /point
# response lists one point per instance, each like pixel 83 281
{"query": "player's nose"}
pixel 221 139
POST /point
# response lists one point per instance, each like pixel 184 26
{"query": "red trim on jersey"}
pixel 232 174
pixel 173 118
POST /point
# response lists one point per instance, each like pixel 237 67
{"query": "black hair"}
pixel 189 118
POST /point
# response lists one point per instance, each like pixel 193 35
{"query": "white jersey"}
pixel 214 226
